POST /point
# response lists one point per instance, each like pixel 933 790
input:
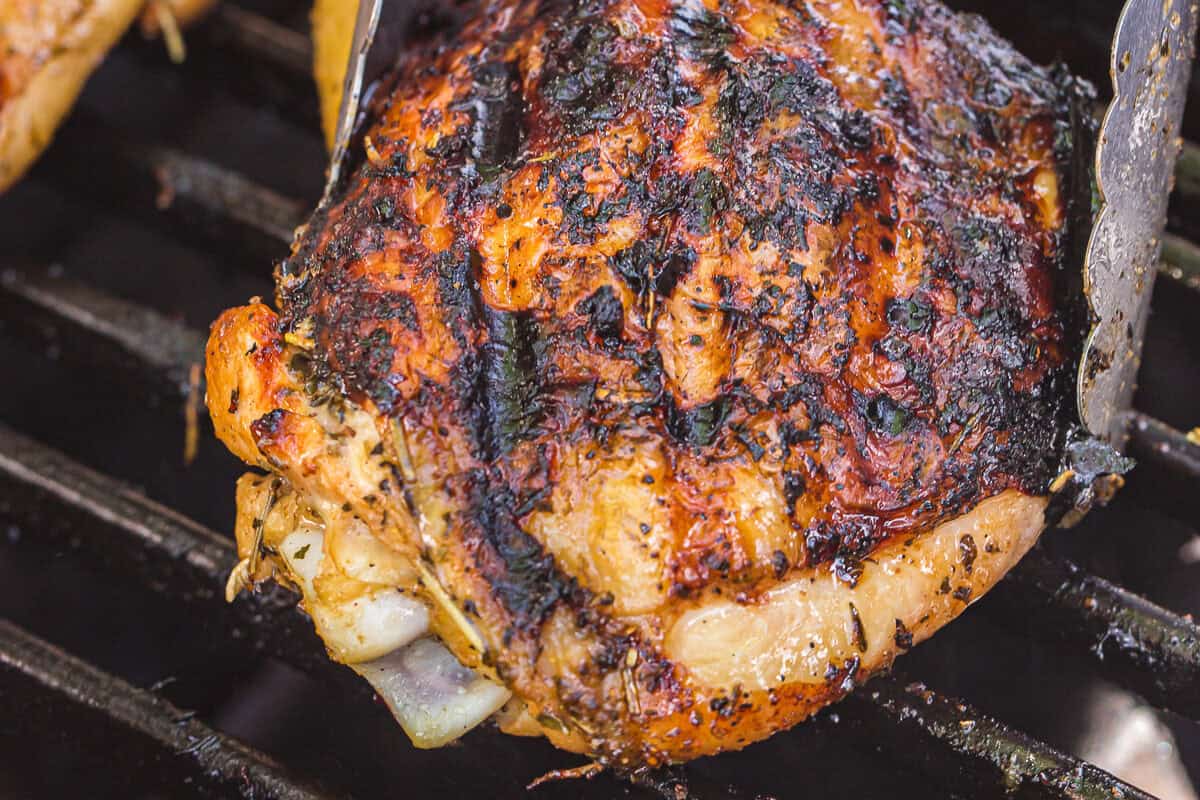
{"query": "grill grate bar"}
pixel 217 206
pixel 179 558
pixel 221 194
pixel 71 506
pixel 971 752
pixel 1181 261
pixel 36 677
pixel 203 202
pixel 1157 441
pixel 262 38
pixel 166 552
pixel 254 58
pixel 1151 650
pixel 75 319
pixel 1134 642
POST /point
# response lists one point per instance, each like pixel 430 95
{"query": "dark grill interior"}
pixel 173 189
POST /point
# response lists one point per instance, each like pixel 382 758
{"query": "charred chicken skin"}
pixel 682 363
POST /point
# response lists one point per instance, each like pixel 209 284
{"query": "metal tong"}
pixel 1139 141
pixel 379 32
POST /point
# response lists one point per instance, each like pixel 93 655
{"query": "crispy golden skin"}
pixel 707 358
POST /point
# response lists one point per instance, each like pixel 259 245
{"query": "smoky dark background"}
pixel 71 216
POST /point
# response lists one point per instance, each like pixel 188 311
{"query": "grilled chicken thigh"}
pixel 48 48
pixel 676 364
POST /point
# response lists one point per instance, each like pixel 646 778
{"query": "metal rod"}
pixel 257 60
pixel 221 194
pixel 118 528
pixel 179 558
pixel 1132 641
pixel 970 751
pixel 253 58
pixel 55 312
pixel 1156 441
pixel 1181 261
pixel 184 195
pixel 37 678
pixel 163 550
pixel 253 34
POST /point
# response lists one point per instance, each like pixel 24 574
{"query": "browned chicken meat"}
pixel 665 368
pixel 48 48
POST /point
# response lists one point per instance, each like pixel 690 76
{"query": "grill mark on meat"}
pixel 698 426
pixel 581 86
pixel 606 315
pixel 497 117
pixel 530 586
pixel 510 389
pixel 701 35
pixel 526 579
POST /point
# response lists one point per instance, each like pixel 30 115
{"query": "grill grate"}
pixel 39 680
pixel 90 516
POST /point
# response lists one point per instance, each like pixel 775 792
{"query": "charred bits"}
pixel 580 83
pixel 644 269
pixel 698 426
pixel 525 578
pixel 606 315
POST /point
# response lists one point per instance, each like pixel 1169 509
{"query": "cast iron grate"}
pixel 59 509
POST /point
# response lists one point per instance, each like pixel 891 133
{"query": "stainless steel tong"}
pixel 378 34
pixel 1139 141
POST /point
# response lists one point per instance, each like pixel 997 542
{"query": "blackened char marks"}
pixel 633 265
pixel 376 356
pixel 706 197
pixel 510 385
pixel 457 275
pixel 698 426
pixel 497 114
pixel 646 267
pixel 582 86
pixel 522 575
pixel 702 35
pixel 267 428
pixel 606 315
pixel 809 169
